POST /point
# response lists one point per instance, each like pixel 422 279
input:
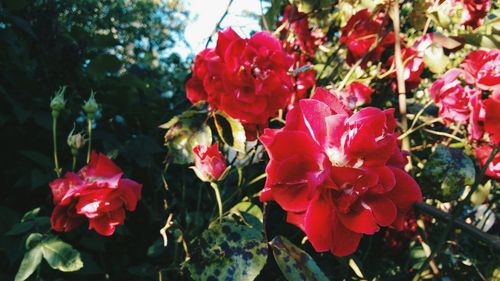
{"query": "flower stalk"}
pixel 215 187
pixel 400 77
pixel 57 105
pixel 90 107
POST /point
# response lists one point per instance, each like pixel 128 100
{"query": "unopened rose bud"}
pixel 90 107
pixel 57 103
pixel 209 162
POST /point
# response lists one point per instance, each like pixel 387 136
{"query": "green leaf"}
pixel 447 172
pixel 29 264
pixel 21 228
pixel 30 215
pixel 251 213
pixel 294 262
pixel 230 131
pixel 61 256
pixel 33 240
pixel 185 131
pixel 229 251
pixel 490 41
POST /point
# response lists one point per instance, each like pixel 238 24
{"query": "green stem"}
pixel 74 162
pixel 54 140
pixel 89 148
pixel 219 199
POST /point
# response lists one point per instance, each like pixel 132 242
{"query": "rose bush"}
pixel 311 144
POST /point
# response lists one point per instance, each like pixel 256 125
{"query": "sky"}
pixel 204 15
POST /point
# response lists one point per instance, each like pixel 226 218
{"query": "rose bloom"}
pixel 357 94
pixel 452 98
pixel 304 80
pixel 482 152
pixel 413 67
pixel 492 119
pixel 298 24
pixel 482 68
pixel 475 11
pixel 209 163
pixel 246 78
pixel 338 175
pixel 97 193
pixel 477 115
pixel 360 33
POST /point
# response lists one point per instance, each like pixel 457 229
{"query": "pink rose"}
pixel 209 163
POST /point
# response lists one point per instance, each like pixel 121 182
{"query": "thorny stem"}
pixel 54 140
pixel 219 199
pixel 400 77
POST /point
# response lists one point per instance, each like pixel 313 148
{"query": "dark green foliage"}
pixel 447 172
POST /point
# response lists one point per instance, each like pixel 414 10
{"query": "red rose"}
pixel 477 115
pixel 452 98
pixel 304 80
pixel 360 33
pixel 298 24
pixel 482 154
pixel 492 119
pixel 331 172
pixel 246 78
pixel 482 68
pixel 209 162
pixel 413 66
pixel 357 94
pixel 206 81
pixel 97 193
pixel 475 11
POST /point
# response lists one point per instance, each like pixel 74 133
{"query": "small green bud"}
pixel 57 103
pixel 90 107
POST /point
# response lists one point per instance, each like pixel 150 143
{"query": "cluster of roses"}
pixel 246 78
pixel 476 104
pixel 367 38
pixel 338 175
pixel 97 193
pixel 301 43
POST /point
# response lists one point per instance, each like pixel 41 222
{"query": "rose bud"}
pixel 209 163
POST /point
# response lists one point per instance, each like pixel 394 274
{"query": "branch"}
pixel 217 26
pixel 488 239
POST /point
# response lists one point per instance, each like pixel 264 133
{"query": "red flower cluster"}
pixel 475 11
pixel 478 103
pixel 209 163
pixel 301 43
pixel 338 175
pixel 97 193
pixel 246 78
pixel 413 62
pixel 360 35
